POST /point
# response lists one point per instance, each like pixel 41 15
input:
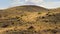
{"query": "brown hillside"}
pixel 29 19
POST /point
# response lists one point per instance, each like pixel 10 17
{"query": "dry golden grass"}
pixel 29 19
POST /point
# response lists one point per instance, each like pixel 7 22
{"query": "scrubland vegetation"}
pixel 30 20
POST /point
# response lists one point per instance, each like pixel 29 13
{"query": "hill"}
pixel 29 19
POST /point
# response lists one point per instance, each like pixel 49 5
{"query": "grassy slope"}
pixel 37 19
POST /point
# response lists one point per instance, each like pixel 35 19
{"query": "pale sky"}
pixel 44 3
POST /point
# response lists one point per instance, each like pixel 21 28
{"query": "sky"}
pixel 44 3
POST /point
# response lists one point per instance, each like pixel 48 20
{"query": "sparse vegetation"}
pixel 30 20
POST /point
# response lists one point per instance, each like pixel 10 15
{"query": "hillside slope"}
pixel 29 19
